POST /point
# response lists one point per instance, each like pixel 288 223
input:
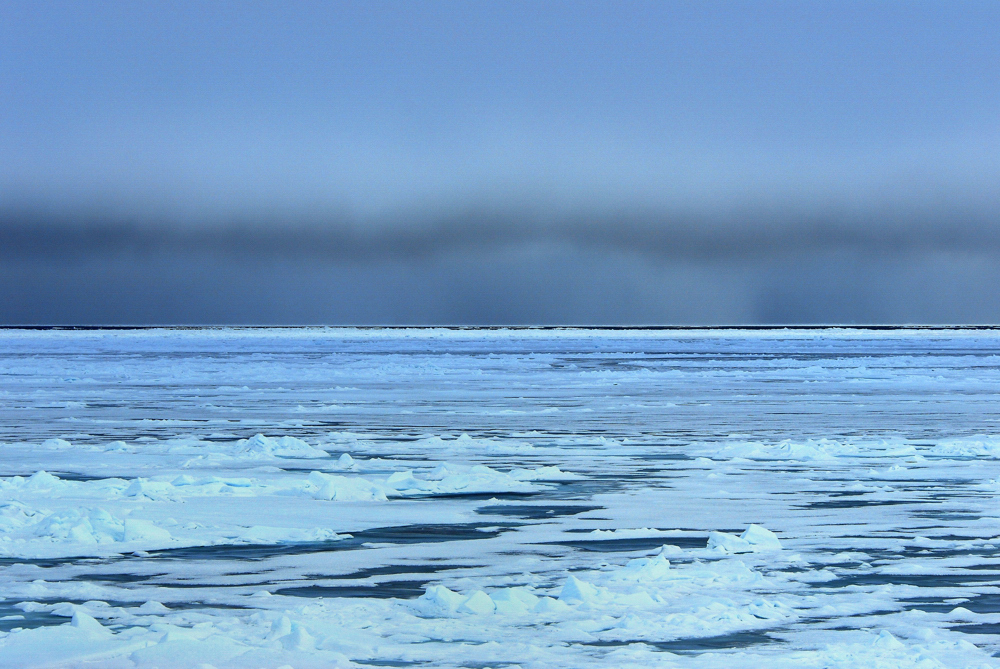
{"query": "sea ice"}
pixel 463 498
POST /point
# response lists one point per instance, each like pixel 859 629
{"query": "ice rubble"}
pixel 445 479
pixel 28 529
pixel 449 479
pixel 88 526
pixel 810 449
pixel 642 583
pixel 285 447
pixel 343 489
pixel 465 443
pixel 257 447
pixel 969 447
pixel 830 450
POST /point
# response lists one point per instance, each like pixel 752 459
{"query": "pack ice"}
pixel 317 497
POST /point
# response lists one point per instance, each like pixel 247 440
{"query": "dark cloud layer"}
pixel 481 266
pixel 750 233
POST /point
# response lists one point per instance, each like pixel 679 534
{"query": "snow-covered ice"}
pixel 482 498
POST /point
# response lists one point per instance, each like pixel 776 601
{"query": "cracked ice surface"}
pixel 497 498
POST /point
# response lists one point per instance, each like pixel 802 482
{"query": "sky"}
pixel 639 163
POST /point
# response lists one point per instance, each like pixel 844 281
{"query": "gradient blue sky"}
pixel 206 109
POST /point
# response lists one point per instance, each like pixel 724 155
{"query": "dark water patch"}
pixel 631 544
pixel 72 476
pixel 991 566
pixel 473 495
pixel 852 503
pixel 692 530
pixel 48 563
pixel 947 515
pixel 389 663
pixel 536 512
pixel 925 485
pixel 404 534
pixel 392 570
pixel 32 619
pixel 201 585
pixel 664 456
pixel 985 603
pixel 386 590
pixel 702 644
pixel 116 578
pixel 417 534
pixel 188 605
pixel 195 606
pixel 28 620
pixel 586 489
pixel 981 628
pixel 932 604
pixel 922 580
pixel 940 552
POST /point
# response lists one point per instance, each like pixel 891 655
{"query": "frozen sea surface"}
pixel 499 498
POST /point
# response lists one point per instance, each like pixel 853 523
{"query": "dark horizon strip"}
pixel 747 237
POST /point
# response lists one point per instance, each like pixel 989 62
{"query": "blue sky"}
pixel 370 106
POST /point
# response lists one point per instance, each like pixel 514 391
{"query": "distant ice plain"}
pixel 499 498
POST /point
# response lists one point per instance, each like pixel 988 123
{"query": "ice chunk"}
pixel 645 569
pixel 438 600
pixel 42 480
pixel 761 539
pixel 449 479
pixel 345 461
pixel 298 639
pixel 280 628
pixel 443 470
pixel 885 639
pixel 89 624
pixel 138 488
pixel 14 516
pixel 86 526
pixel 514 600
pixel 152 607
pixel 139 530
pixel 407 481
pixel 344 489
pixel 575 589
pixel 543 474
pixel 727 543
pixel 755 539
pixel 478 602
pixel 550 605
pixel 285 447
